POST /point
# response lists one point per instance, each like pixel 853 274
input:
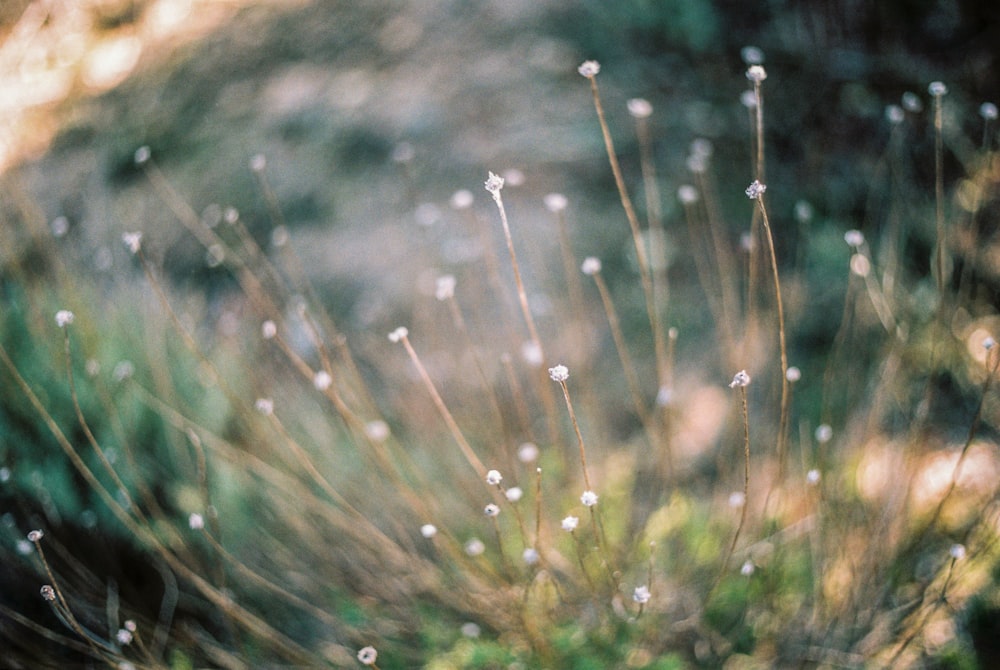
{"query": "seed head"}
pixel 133 241
pixel 589 498
pixel 367 656
pixel 740 380
pixel 64 317
pixel 639 108
pixel 48 593
pixel 559 373
pixel 493 184
pixel 641 595
pixel 589 68
pixel 756 73
pixel 590 266
pixel 444 287
pixel 322 380
pixel 555 202
pixel 570 523
pixel 755 190
pixel 937 89
pixel 493 477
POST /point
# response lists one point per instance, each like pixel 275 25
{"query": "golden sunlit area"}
pixel 499 334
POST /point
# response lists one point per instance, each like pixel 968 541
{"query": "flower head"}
pixel 475 547
pixel 641 595
pixel 268 329
pixel 265 406
pixel 428 530
pixel 747 568
pixel 133 241
pixel 752 55
pixel 590 266
pixel 813 477
pixel 988 111
pixel 123 636
pixel 322 380
pixel 527 452
pixel 461 199
pixel 398 334
pixel 854 238
pixel 957 551
pixel 894 114
pixel 589 498
pixel 514 493
pixel 142 155
pixel 48 593
pixel 530 555
pixel 377 430
pixel 493 477
pixel 367 655
pixel 493 184
pixel 737 499
pixel 824 433
pixel 444 287
pixel 639 108
pixel 35 535
pixel 589 68
pixel 937 89
pixel 755 190
pixel 793 374
pixel 64 317
pixel 756 73
pixel 491 510
pixel 555 202
pixel 740 380
pixel 196 521
pixel 687 194
pixel 559 373
pixel 911 102
pixel 570 523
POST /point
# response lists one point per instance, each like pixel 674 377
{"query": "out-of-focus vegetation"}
pixel 231 465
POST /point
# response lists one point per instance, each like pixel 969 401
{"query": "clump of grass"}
pixel 349 507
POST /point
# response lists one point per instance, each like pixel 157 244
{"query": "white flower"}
pixel 737 499
pixel 196 521
pixel 641 595
pixel 988 111
pixel 123 370
pixel 697 163
pixel 756 74
pixel 367 656
pixel 755 190
pixel 957 551
pixel 590 266
pixel 803 211
pixel 322 380
pixel 531 353
pixel 130 625
pixel 747 568
pixel 748 99
pixel 639 108
pixel 258 162
pixel 470 630
pixel 555 202
pixel 530 555
pixel 589 68
pixel 428 530
pixel 854 238
pixel 752 55
pixel 142 155
pixel 894 114
pixel 937 89
pixel 474 547
pixel 513 177
pixel 589 498
pixel 35 535
pixel 740 380
pixel 24 547
pixel 444 287
pixel 559 373
pixel 514 493
pixel 989 343
pixel 64 317
pixel 461 199
pixel 687 194
pixel 493 477
pixel 664 396
pixel 911 102
pixel 570 523
pixel 824 433
pixel 268 330
pixel 527 452
pixel 793 374
pixel 123 636
pixel 265 406
pixel 398 334
pixel 493 184
pixel 491 510
pixel 377 430
pixel 48 593
pixel 133 241
pixel 812 477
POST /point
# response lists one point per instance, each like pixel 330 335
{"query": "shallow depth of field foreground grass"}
pixel 712 432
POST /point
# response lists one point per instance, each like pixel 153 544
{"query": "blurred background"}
pixel 371 116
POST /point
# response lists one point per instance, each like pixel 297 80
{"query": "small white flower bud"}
pixel 752 55
pixel 570 523
pixel 491 510
pixel 322 380
pixel 687 194
pixel 589 68
pixel 514 493
pixel 461 199
pixel 268 329
pixel 64 317
pixel 755 190
pixel 740 379
pixel 493 477
pixel 196 521
pixel 133 241
pixel 555 202
pixel 398 334
pixel 937 89
pixel 444 287
pixel 988 111
pixel 590 266
pixel 142 155
pixel 641 595
pixel 559 373
pixel 756 74
pixel 589 498
pixel 639 108
pixel 493 184
pixel 428 530
pixel 854 238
